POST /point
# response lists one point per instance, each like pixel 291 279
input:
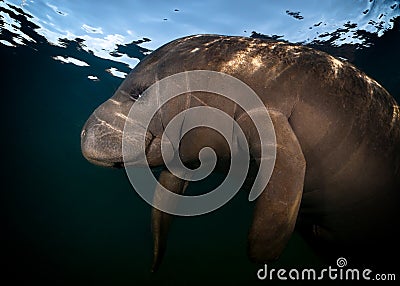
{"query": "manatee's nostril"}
pixel 83 133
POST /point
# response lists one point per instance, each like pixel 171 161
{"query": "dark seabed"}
pixel 67 222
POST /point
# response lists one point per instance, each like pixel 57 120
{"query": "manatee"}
pixel 336 177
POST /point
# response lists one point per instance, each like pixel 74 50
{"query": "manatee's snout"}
pixel 101 137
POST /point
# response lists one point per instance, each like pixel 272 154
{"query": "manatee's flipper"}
pixel 161 221
pixel 276 208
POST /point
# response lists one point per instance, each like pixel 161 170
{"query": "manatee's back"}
pixel 349 128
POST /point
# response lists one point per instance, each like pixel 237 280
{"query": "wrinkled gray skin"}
pixel 336 176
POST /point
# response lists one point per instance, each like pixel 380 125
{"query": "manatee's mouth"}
pixel 104 163
pixel 118 165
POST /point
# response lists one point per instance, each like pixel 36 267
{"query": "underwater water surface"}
pixel 65 221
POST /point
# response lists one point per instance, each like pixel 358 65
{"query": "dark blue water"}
pixel 67 222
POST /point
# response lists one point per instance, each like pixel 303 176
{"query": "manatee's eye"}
pixel 133 97
pixel 135 93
